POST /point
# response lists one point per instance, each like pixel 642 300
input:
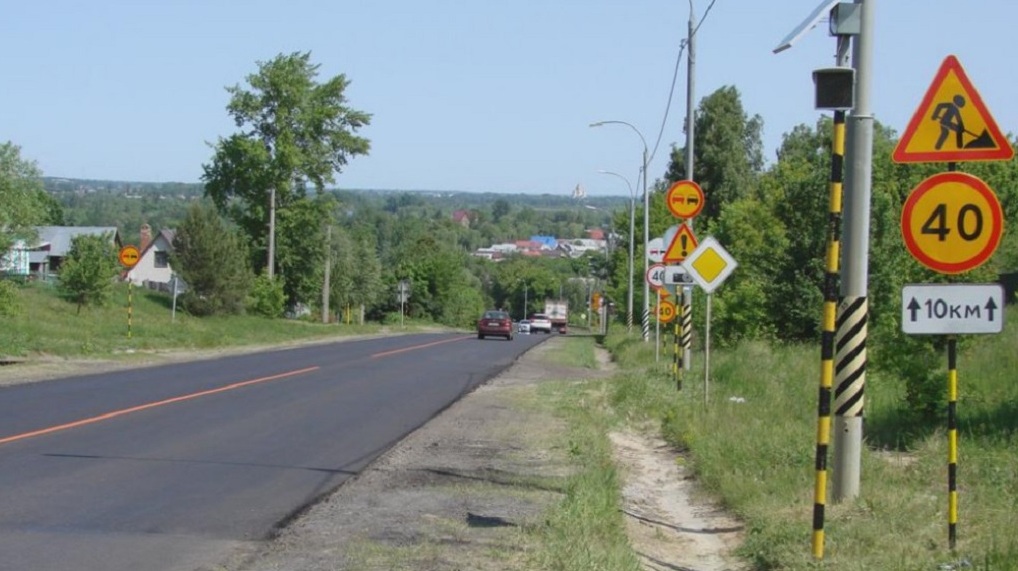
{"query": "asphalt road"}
pixel 174 467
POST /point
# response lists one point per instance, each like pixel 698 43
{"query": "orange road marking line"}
pixel 122 412
pixel 415 347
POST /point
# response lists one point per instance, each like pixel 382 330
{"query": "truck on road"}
pixel 557 311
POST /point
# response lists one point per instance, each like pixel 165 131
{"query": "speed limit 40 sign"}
pixel 952 222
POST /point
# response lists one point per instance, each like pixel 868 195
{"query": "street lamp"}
pixel 646 225
pixel 632 221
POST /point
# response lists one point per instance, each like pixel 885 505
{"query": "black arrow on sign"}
pixel 914 307
pixel 990 307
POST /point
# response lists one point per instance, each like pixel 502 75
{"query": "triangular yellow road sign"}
pixel 682 245
pixel 952 124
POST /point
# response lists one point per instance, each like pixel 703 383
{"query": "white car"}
pixel 539 323
pixel 523 326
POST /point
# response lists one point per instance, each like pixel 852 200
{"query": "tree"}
pixel 727 151
pixel 296 133
pixel 212 260
pixel 88 271
pixel 24 201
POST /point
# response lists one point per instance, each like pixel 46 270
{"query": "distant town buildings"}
pixel 546 247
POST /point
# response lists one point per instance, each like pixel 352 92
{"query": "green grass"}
pixel 758 455
pixel 574 351
pixel 586 530
pixel 46 325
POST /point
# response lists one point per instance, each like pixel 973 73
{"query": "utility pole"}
pixel 272 232
pixel 328 268
pixel 853 311
pixel 690 139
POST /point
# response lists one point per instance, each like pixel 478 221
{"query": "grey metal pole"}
pixel 328 271
pixel 646 254
pixel 690 139
pixel 646 227
pixel 853 311
pixel 632 230
pixel 272 232
pixel 629 292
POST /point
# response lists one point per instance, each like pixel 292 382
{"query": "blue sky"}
pixel 465 95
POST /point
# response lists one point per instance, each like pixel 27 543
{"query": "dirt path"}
pixel 455 493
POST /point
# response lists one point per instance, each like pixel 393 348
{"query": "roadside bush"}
pixel 8 298
pixel 267 297
pixel 88 271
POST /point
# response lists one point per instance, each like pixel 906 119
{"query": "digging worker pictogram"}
pixel 948 114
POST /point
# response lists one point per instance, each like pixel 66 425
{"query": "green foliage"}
pixel 752 445
pixel 296 133
pixel 22 196
pixel 727 152
pixel 267 297
pixel 88 270
pixel 45 327
pixel 212 260
pixel 9 298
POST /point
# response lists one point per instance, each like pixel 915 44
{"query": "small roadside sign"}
pixel 675 275
pixel 656 249
pixel 952 124
pixel 665 311
pixel 682 244
pixel 710 264
pixel 129 256
pixel 655 275
pixel 684 199
pixel 948 309
pixel 952 222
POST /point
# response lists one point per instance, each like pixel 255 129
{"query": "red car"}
pixel 495 323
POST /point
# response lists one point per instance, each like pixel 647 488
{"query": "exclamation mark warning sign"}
pixel 682 245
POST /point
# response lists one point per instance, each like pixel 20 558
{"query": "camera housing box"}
pixel 835 88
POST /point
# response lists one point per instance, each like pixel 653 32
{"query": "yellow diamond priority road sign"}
pixel 709 265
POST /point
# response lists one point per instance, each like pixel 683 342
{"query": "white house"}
pixel 15 262
pixel 153 265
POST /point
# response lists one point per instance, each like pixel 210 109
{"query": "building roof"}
pixel 59 237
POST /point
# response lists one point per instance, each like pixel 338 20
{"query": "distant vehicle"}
pixel 495 323
pixel 557 311
pixel 523 326
pixel 540 323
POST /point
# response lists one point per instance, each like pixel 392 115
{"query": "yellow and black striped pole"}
pixel 827 336
pixel 677 339
pixel 686 323
pixel 952 441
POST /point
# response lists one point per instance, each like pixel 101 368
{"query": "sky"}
pixel 465 95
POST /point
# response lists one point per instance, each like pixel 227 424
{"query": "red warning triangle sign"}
pixel 682 245
pixel 952 124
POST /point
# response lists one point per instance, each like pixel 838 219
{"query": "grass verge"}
pixel 753 445
pixel 586 530
pixel 46 325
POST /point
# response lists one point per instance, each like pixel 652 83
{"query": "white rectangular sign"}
pixel 676 275
pixel 946 309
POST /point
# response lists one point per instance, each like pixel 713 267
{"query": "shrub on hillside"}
pixel 267 297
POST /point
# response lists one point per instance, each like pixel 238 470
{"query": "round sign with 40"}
pixel 952 222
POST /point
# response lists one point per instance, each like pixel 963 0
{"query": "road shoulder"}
pixel 463 492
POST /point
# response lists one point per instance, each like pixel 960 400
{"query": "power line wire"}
pixel 675 76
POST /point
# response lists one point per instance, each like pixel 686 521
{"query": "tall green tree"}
pixel 24 202
pixel 727 151
pixel 295 134
pixel 89 270
pixel 212 260
pixel 366 287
